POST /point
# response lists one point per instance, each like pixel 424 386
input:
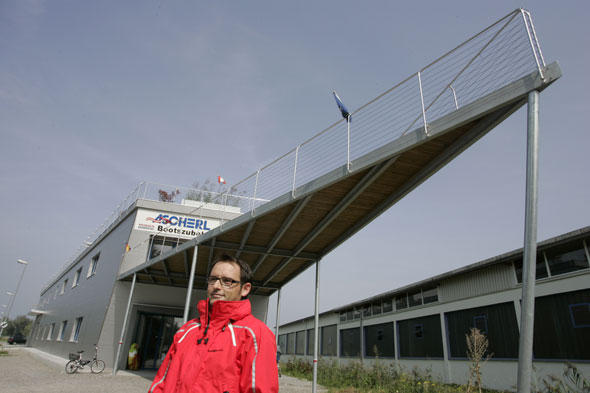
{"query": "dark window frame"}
pixel 574 324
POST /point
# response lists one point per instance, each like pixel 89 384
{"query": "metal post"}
pixel 189 290
pixel 277 320
pixel 362 336
pixel 314 385
pixel 527 319
pixel 254 197
pixel 348 144
pixel 116 365
pixel 295 170
pixel 422 101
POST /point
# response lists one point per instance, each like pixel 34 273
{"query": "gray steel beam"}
pixel 279 234
pixel 527 318
pixel 167 271
pixel 125 319
pixel 437 163
pixel 189 290
pixel 245 237
pixel 263 250
pixel 185 260
pixel 362 185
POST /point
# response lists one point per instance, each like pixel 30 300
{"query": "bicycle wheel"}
pixel 97 366
pixel 72 366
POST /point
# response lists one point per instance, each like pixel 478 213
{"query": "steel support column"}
pixel 527 319
pixel 116 365
pixel 277 320
pixel 314 385
pixel 189 290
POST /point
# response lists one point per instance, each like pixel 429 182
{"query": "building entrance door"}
pixel 155 333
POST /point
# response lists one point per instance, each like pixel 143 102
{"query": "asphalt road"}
pixel 27 370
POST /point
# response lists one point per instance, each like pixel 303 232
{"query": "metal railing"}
pixel 501 53
pixel 491 59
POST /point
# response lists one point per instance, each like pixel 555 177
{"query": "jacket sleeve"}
pixel 259 371
pixel 161 377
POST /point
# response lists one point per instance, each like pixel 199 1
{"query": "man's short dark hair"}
pixel 245 270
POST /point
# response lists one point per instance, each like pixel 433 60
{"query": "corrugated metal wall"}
pixel 492 279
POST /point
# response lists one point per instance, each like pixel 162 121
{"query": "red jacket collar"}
pixel 222 311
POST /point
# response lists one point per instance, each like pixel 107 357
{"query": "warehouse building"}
pixel 424 325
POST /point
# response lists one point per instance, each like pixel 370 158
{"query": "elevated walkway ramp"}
pixel 307 202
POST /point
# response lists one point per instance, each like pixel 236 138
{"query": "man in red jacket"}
pixel 226 349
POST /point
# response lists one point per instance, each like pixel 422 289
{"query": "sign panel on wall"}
pixel 172 224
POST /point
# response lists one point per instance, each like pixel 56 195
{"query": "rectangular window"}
pixel 349 315
pixel 541 269
pixel 63 287
pixel 480 322
pixel 356 314
pixel 76 330
pixel 343 316
pixel 350 342
pixel 430 295
pixel 568 258
pixel 376 308
pixel 558 333
pixel 379 340
pixel 387 306
pixel 310 338
pixel 300 343
pixel 291 343
pixel 50 333
pixel 401 302
pixel 580 314
pixel 420 337
pixel 497 320
pixel 161 245
pixel 77 278
pixel 283 343
pixel 62 331
pixel 92 266
pixel 367 311
pixel 328 340
pixel 415 299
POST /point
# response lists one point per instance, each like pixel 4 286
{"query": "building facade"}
pixel 424 325
pixel 85 304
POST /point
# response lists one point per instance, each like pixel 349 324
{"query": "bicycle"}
pixel 76 362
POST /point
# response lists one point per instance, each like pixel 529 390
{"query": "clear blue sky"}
pixel 97 96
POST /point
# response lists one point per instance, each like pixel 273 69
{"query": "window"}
pixel 349 315
pixel 161 245
pixel 291 343
pixel 328 340
pixel 480 322
pixel 387 306
pixel 356 313
pixel 367 311
pixel 77 278
pixel 498 321
pixel 50 333
pixel 62 330
pixel 541 269
pixel 580 314
pixel 415 299
pixel 76 330
pixel 310 338
pixel 379 340
pixel 430 295
pixel 350 342
pixel 92 266
pixel 376 308
pixel 420 337
pixel 283 342
pixel 300 343
pixel 401 302
pixel 419 330
pixel 63 287
pixel 566 258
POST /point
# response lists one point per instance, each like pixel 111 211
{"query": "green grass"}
pixel 378 378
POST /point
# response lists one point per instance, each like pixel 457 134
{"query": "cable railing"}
pixel 496 56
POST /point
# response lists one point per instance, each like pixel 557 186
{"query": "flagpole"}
pixel 348 144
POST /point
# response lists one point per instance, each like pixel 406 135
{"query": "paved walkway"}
pixel 27 370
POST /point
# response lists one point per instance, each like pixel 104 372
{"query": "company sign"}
pixel 173 225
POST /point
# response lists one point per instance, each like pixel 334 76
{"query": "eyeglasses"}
pixel 226 282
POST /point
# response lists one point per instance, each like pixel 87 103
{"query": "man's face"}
pixel 217 291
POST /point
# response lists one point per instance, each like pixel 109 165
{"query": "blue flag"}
pixel 343 110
